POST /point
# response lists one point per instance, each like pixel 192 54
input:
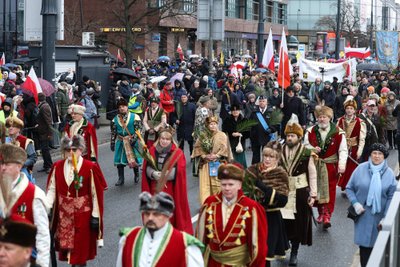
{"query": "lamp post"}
pixel 298 12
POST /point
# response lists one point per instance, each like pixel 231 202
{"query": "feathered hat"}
pixel 350 102
pixel 293 126
pixel 13 121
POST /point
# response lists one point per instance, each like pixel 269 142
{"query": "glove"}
pixel 156 175
pixel 94 223
pixel 358 208
pixel 112 146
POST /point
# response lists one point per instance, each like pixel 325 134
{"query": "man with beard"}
pixel 124 141
pixel 80 126
pixel 154 119
pixel 157 243
pixel 356 131
pixel 298 162
pixel 75 191
pixel 373 124
pixel 20 197
pixel 329 142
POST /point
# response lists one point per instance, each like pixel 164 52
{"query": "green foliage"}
pixel 249 188
pixel 276 117
pixel 245 125
pixel 205 138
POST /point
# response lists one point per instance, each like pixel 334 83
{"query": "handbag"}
pixel 213 168
pixel 352 214
pixel 239 147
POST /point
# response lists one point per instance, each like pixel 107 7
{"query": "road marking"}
pixel 195 218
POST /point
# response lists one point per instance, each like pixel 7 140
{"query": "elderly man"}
pixel 329 142
pixel 79 125
pixel 17 240
pixel 20 197
pixel 14 126
pixel 157 243
pixel 298 162
pixel 75 189
pixel 232 226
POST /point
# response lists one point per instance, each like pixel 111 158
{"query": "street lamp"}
pixel 298 12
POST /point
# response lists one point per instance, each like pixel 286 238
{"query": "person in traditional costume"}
pixel 298 162
pixel 237 139
pixel 157 243
pixel 209 150
pixel 232 226
pixel 20 197
pixel 79 125
pixel 167 155
pixel 75 191
pixel 328 141
pixel 356 131
pixel 124 141
pixel 273 182
pixel 154 119
pixel 14 126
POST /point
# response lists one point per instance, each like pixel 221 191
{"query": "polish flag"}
pixel 119 58
pixel 362 52
pixel 268 57
pixel 284 64
pixel 2 60
pixel 32 84
pixel 180 52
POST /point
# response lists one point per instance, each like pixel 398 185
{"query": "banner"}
pixel 309 70
pixel 387 48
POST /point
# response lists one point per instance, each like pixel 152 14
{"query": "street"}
pixel 330 248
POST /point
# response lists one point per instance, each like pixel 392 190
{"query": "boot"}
pixel 321 211
pixel 136 171
pixel 293 253
pixel 121 178
pixel 327 219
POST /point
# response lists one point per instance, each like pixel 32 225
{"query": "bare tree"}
pixel 145 15
pixel 349 22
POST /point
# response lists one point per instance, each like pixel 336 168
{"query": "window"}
pixel 269 11
pixel 188 6
pixel 231 10
pixel 282 14
pixel 252 9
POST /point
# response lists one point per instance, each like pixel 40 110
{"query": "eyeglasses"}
pixel 69 149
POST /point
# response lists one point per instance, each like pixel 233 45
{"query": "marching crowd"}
pixel 305 141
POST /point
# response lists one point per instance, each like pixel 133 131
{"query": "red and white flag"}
pixel 268 57
pixel 32 84
pixel 2 60
pixel 362 52
pixel 180 52
pixel 284 65
pixel 119 58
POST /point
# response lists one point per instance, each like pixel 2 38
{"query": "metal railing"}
pixel 386 248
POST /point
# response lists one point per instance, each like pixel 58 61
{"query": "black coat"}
pixel 45 122
pixel 293 105
pixel 229 126
pixel 186 122
pixel 258 135
pixel 226 104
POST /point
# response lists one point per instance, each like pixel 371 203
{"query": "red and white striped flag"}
pixel 119 58
pixel 284 65
pixel 180 52
pixel 362 52
pixel 2 60
pixel 268 57
pixel 32 84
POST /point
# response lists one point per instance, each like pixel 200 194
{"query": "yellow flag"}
pixel 325 60
pixel 222 59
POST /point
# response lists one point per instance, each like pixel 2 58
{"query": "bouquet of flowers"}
pixel 205 138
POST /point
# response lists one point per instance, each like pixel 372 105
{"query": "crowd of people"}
pixel 304 141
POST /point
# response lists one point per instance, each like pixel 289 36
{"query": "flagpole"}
pixel 283 75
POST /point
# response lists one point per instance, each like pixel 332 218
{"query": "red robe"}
pixel 247 221
pixel 174 253
pixel 333 140
pixel 71 226
pixel 24 205
pixel 350 164
pixel 88 132
pixel 177 188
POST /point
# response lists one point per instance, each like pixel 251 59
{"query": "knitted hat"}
pixel 371 89
pixel 379 147
pixel 294 127
pixel 385 90
pixel 13 121
pixel 161 202
pixel 78 109
pixel 17 230
pixel 323 110
pixel 350 102
pixel 371 102
pixel 211 119
pixel 230 171
pixel 12 154
pixel 203 99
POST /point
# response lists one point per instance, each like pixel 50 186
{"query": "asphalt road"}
pixel 330 248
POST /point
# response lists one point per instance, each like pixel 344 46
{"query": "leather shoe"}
pixel 293 259
pixel 44 170
pixel 327 222
pixel 119 182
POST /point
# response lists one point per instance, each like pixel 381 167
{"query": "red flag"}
pixel 2 60
pixel 362 52
pixel 119 58
pixel 283 69
pixel 268 57
pixel 32 84
pixel 180 52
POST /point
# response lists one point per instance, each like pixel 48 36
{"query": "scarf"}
pixel 375 187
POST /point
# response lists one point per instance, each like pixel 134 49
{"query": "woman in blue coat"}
pixel 370 190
